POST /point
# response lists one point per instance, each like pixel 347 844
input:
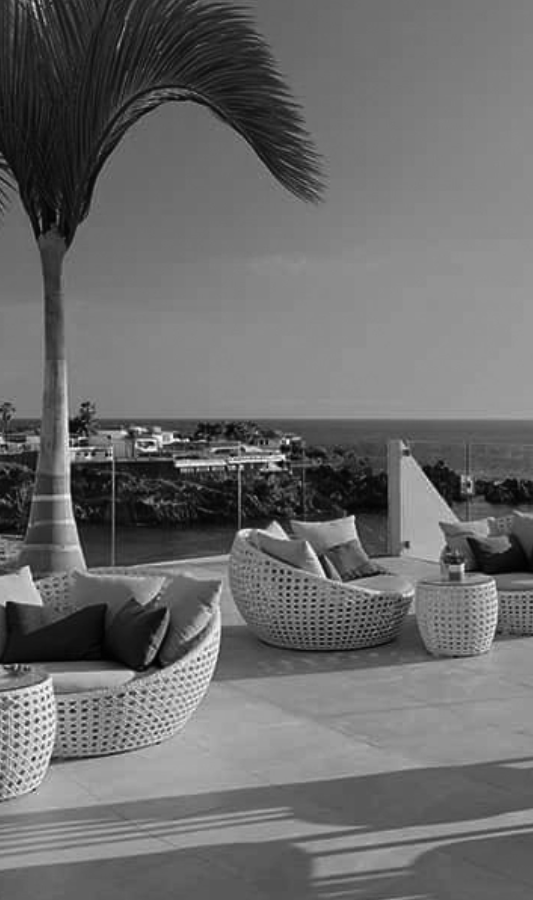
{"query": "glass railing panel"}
pixel 479 479
pixel 136 510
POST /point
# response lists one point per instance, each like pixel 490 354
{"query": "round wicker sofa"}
pixel 152 706
pixel 288 607
pixel 515 606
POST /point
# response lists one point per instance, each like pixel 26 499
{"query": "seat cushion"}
pixel 514 581
pixel 385 584
pixel 71 677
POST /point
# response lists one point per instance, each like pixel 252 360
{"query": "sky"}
pixel 199 288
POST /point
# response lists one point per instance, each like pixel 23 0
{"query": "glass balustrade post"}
pixel 239 496
pixel 468 465
pixel 304 483
pixel 113 507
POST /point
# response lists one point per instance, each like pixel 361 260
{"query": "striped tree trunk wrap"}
pixel 52 542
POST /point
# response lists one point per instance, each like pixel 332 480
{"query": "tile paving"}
pixel 381 774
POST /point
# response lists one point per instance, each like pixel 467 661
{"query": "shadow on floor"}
pixel 242 655
pixel 259 843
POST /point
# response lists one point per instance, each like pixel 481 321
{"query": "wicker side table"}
pixel 457 618
pixel 27 730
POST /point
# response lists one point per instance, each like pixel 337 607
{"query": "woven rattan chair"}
pixel 151 707
pixel 515 608
pixel 288 607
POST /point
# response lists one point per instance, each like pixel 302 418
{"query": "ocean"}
pixel 495 448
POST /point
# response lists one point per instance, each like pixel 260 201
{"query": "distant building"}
pixel 224 458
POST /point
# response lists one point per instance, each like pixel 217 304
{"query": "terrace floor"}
pixel 378 774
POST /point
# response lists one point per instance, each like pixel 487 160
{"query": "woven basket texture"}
pixel 27 732
pixel 287 607
pixel 515 614
pixel 152 707
pixel 457 619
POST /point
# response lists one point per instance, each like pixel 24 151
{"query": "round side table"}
pixel 27 729
pixel 457 618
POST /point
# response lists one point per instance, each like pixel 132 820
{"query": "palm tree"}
pixel 75 76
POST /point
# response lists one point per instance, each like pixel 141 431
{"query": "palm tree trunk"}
pixel 52 543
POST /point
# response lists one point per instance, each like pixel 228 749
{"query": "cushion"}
pixel 456 534
pixel 329 569
pixel 36 633
pixel 136 633
pixel 323 535
pixel 17 587
pixel 191 603
pixel 297 553
pixel 522 527
pixel 351 561
pixel 113 590
pixel 385 584
pixel 71 677
pixel 501 553
pixel 274 529
pixel 514 581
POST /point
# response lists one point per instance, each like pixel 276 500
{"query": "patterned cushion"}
pixel 351 561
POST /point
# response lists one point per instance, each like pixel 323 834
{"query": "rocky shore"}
pixel 333 482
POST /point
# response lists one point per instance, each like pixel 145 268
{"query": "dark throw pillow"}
pixel 351 561
pixel 35 634
pixel 136 634
pixel 499 554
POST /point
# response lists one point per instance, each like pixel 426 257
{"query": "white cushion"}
pixel 16 587
pixel 114 590
pixel 299 554
pixel 274 529
pixel 456 533
pixel 324 535
pixel 192 603
pixel 87 675
pixel 522 527
pixel 384 584
pixel 514 581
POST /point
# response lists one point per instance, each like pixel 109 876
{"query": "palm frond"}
pixel 76 75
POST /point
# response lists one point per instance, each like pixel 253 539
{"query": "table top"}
pixel 13 679
pixel 470 579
